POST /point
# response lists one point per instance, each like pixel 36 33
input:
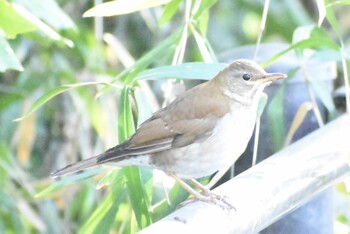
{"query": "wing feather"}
pixel 177 125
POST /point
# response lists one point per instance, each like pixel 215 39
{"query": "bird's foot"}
pixel 216 199
pixel 206 196
pixel 212 198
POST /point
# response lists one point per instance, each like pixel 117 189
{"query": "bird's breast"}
pixel 222 148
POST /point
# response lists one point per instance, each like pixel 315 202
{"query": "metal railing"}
pixel 271 189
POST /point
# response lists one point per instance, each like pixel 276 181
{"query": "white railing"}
pixel 271 189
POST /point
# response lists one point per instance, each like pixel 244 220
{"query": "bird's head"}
pixel 245 78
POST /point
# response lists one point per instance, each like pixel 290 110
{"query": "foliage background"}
pixel 81 85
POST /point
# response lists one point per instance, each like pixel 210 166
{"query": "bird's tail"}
pixel 75 167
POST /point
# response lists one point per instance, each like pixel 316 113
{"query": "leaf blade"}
pixel 47 96
pixel 186 71
pixel 136 189
pixel 122 7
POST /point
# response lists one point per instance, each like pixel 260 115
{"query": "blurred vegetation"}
pixel 81 85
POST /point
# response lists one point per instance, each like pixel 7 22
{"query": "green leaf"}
pixel 262 103
pixel 103 217
pixel 201 44
pixel 177 194
pixel 322 89
pixel 164 48
pixel 126 124
pixel 122 7
pixel 169 11
pixel 275 114
pixel 330 15
pixel 160 51
pixel 204 7
pixel 203 22
pixel 189 71
pixel 321 11
pixel 328 55
pixel 52 34
pixel 93 108
pixel 4 158
pixel 138 196
pixel 143 106
pixel 337 3
pixel 67 180
pixel 11 22
pixel 53 93
pixel 304 44
pixel 8 59
pixel 275 118
pixel 49 11
pixel 137 192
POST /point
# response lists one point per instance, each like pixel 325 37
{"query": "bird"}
pixel 205 129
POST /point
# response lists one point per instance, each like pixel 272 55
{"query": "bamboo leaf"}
pixel 201 43
pixel 103 217
pixel 338 3
pixel 275 114
pixel 122 7
pixel 205 6
pixel 49 11
pixel 67 180
pixel 304 44
pixel 11 22
pixel 262 103
pixel 186 71
pixel 8 59
pixel 321 11
pixel 169 11
pixel 163 48
pixel 298 119
pixel 137 192
pixel 47 96
pixel 125 118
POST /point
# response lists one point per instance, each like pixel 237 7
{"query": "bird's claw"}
pixel 221 201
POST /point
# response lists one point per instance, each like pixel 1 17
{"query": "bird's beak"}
pixel 272 77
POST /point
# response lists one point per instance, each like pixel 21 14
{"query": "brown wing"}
pixel 189 118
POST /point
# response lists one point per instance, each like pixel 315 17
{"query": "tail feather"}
pixel 115 155
pixel 75 167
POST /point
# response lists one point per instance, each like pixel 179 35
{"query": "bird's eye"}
pixel 246 76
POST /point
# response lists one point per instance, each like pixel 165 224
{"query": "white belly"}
pixel 221 149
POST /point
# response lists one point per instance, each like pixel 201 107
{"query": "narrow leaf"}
pixel 338 3
pixel 8 59
pixel 201 43
pixel 187 71
pixel 304 44
pixel 49 11
pixel 103 217
pixel 262 103
pixel 11 22
pixel 53 93
pixel 136 189
pixel 122 7
pixel 65 181
pixel 169 11
pixel 297 121
pixel 321 11
pixel 330 14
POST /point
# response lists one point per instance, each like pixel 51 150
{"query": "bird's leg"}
pixel 200 186
pixel 207 196
pixel 208 193
pixel 188 188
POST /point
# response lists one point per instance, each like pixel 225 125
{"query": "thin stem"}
pixel 262 27
pixel 256 141
pixel 346 77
